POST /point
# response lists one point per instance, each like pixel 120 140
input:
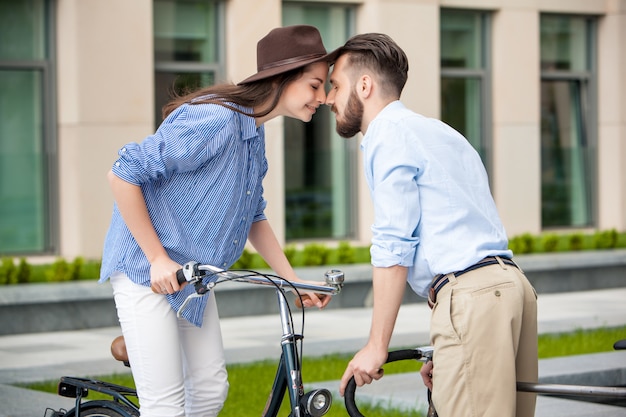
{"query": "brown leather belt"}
pixel 442 279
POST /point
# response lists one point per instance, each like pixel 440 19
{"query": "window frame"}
pixel 484 77
pixel 49 139
pixel 217 68
pixel 588 79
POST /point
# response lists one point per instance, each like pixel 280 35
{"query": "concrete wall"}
pixel 30 308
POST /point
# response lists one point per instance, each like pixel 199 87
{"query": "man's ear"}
pixel 364 86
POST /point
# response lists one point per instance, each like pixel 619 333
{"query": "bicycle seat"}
pixel 118 350
pixel 620 345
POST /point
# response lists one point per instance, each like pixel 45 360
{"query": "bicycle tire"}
pixel 394 356
pixel 104 408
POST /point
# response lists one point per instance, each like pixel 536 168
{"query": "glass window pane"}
pixel 464 81
pixel 318 163
pixel 565 156
pixel 22 30
pixel 22 163
pixel 167 83
pixel 564 42
pixel 461 108
pixel 185 31
pixel 461 39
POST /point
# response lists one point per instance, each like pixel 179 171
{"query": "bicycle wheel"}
pixel 104 408
pixel 398 355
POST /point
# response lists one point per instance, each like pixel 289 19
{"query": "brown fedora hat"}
pixel 285 49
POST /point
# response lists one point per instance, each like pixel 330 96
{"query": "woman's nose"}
pixel 321 96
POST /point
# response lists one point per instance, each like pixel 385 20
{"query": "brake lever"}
pixel 186 303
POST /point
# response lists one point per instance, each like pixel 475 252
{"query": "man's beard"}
pixel 352 118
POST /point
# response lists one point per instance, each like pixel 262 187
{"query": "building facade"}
pixel 538 88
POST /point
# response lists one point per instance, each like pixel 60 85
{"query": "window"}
pixel 319 164
pixel 464 76
pixel 188 52
pixel 26 128
pixel 567 122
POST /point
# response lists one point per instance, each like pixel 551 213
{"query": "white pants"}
pixel 178 368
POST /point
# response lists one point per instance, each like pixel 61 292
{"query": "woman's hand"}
pixel 312 299
pixel 163 276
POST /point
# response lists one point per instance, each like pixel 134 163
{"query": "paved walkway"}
pixel 41 356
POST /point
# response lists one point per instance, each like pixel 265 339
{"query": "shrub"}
pixel 244 261
pixel 576 241
pixel 550 242
pixel 606 239
pixel 345 253
pixel 23 272
pixel 76 267
pixel 290 253
pixel 522 244
pixel 315 254
pixel 59 271
pixel 8 273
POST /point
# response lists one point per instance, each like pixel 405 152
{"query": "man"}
pixel 437 227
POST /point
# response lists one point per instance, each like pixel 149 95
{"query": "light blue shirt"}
pixel 201 175
pixel 433 210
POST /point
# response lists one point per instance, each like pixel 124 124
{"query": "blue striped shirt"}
pixel 201 176
pixel 433 210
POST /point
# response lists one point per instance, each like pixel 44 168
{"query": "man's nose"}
pixel 330 98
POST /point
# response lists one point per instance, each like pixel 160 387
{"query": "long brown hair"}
pixel 266 92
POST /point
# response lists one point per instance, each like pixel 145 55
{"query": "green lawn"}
pixel 250 383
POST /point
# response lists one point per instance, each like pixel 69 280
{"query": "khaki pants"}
pixel 484 331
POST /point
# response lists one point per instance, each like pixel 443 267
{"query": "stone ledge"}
pixel 32 308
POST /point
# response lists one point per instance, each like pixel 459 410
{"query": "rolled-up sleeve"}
pixel 392 176
pixel 161 154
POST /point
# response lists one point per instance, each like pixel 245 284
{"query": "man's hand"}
pixel 366 366
pixel 427 374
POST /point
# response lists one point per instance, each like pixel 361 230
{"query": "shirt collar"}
pixel 248 125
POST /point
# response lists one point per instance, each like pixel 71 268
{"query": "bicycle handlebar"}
pixel 193 272
pixel 423 354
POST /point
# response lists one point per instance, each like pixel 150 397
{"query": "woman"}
pixel 193 191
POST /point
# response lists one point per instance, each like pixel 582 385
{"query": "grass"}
pixel 250 383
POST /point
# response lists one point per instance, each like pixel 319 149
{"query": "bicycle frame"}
pixel 288 375
pixel 288 378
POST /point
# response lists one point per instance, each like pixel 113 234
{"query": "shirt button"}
pixel 123 149
pixel 117 164
pixel 235 241
pixel 248 192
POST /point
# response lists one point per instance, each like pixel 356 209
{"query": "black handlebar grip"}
pixel 397 355
pixel 351 408
pixel 180 276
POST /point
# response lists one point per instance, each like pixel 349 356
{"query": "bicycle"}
pixel 425 353
pixel 288 378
